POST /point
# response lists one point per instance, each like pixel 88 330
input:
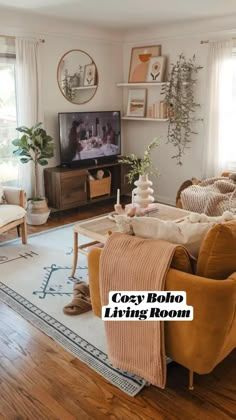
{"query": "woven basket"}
pixel 100 186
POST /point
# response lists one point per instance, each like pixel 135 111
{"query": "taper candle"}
pixel 118 196
pixel 132 200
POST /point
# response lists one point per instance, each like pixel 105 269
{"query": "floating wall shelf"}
pixel 145 119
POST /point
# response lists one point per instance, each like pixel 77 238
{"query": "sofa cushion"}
pixel 9 213
pixel 181 260
pixel 217 256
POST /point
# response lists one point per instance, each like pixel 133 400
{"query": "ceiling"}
pixel 125 14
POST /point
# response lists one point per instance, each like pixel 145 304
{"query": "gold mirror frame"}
pixel 77 76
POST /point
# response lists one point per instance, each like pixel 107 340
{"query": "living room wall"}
pixel 174 39
pixel 103 46
pixel 111 51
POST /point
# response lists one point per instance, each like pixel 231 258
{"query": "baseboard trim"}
pixel 164 200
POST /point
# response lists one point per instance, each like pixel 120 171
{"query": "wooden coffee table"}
pixel 98 228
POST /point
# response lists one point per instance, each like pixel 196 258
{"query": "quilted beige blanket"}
pixel 129 263
pixel 212 197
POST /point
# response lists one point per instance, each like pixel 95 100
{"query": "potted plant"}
pixel 37 146
pixel 179 99
pixel 142 167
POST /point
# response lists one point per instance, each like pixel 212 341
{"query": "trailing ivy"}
pixel 179 98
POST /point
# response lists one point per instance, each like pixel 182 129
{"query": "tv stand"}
pixel 67 187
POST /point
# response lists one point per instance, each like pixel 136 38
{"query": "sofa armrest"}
pixel 93 273
pixel 15 196
pixel 199 344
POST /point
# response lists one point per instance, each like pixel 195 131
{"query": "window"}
pixel 8 118
pixel 232 162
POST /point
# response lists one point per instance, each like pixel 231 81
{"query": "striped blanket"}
pixel 212 197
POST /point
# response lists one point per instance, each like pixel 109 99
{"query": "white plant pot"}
pixel 143 193
pixel 37 212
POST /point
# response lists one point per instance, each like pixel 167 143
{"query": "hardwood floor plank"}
pixel 40 380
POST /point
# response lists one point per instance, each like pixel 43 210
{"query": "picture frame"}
pixel 139 62
pixel 136 106
pixel 90 75
pixel 156 69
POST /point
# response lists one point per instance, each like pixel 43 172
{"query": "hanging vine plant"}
pixel 181 106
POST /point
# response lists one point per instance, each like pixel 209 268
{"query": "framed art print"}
pixel 156 69
pixel 90 75
pixel 136 106
pixel 140 57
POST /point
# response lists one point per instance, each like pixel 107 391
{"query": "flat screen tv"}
pixel 89 136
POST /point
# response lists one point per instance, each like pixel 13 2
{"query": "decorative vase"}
pixel 143 193
pixel 37 212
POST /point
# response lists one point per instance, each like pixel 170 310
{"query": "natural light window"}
pixel 8 118
pixel 232 159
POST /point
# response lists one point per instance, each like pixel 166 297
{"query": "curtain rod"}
pixel 14 37
pixel 206 41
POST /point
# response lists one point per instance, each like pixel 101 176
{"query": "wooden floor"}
pixel 40 380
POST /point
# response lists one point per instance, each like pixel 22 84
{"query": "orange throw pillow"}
pixel 217 256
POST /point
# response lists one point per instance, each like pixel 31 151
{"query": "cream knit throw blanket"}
pixel 130 263
pixel 212 197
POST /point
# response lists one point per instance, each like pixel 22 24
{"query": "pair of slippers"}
pixel 81 301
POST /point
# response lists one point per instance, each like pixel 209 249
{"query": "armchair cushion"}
pixel 14 195
pixel 217 256
pixel 10 213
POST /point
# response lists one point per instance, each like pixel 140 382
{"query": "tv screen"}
pixel 89 135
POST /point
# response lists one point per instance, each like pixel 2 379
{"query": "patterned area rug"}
pixel 36 283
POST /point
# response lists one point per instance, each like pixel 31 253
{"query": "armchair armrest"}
pixel 15 196
pixel 202 343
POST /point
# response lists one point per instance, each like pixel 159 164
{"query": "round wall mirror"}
pixel 77 76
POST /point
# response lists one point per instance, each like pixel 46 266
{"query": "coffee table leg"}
pixel 75 259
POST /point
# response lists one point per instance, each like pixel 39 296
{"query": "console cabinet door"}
pixel 73 189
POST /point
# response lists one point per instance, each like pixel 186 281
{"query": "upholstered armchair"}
pixel 12 213
pixel 201 344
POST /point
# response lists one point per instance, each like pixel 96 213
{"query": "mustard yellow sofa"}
pixel 201 344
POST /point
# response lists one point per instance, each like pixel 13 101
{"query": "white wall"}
pixel 175 39
pixel 111 51
pixel 104 47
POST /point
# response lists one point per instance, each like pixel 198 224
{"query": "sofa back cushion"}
pixel 217 256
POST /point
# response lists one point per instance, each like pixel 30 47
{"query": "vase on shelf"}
pixel 143 193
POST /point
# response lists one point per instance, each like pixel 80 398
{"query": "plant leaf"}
pixel 43 162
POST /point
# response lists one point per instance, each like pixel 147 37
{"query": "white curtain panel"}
pixel 219 110
pixel 29 96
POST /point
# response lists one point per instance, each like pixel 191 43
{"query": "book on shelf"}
pixel 157 110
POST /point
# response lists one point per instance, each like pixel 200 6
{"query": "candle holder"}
pixel 129 210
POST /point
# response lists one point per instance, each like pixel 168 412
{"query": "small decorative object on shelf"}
pixel 142 168
pixel 139 62
pixel 156 69
pixel 90 75
pixel 157 110
pixel 137 103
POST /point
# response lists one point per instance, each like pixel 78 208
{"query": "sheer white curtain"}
pixel 29 96
pixel 219 111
